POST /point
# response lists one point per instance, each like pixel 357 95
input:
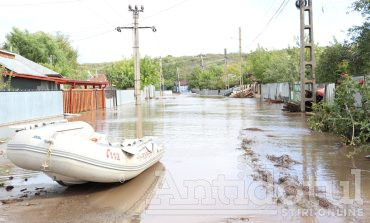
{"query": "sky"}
pixel 184 27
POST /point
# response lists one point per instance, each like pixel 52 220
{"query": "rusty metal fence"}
pixel 81 100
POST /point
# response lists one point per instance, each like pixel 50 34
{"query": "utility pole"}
pixel 135 31
pixel 225 69
pixel 201 61
pixel 178 79
pixel 161 76
pixel 306 6
pixel 240 56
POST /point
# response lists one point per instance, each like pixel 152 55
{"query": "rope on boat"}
pixel 47 162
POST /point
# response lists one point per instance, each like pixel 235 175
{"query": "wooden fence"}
pixel 81 100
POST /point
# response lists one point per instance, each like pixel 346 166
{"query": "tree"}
pixel 360 36
pixel 52 51
pixel 121 74
pixel 5 81
pixel 329 67
pixel 169 66
pixel 149 69
pixel 274 66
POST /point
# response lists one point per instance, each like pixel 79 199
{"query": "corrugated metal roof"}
pixel 22 65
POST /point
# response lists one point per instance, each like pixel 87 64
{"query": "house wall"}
pixel 18 83
pixel 18 106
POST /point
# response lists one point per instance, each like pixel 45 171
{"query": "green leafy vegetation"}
pixel 5 81
pixel 344 116
pixel 121 74
pixel 52 51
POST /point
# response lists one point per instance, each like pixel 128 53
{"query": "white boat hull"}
pixel 72 153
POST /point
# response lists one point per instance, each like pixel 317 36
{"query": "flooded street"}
pixel 224 158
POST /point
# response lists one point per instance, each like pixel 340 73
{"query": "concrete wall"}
pixel 206 92
pixel 275 91
pixel 329 92
pixel 23 106
pixel 125 97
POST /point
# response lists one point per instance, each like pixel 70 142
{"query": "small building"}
pixel 26 74
pixel 99 78
pixel 182 86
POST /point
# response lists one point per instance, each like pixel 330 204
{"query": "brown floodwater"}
pixel 205 174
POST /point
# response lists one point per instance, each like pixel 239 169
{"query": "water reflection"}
pixel 139 121
pixel 96 202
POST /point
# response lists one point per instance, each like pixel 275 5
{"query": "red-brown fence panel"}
pixel 81 100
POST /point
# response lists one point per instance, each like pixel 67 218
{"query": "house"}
pixel 99 78
pixel 182 86
pixel 26 74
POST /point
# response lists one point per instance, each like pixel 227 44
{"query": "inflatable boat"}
pixel 73 153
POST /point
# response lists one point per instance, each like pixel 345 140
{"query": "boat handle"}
pixel 49 141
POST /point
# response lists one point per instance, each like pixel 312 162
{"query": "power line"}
pixel 166 9
pixel 95 35
pixel 40 3
pixel 274 16
pixel 269 9
pixel 108 31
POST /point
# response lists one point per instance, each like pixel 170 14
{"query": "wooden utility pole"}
pixel 136 54
pixel 240 56
pixel 225 69
pixel 306 6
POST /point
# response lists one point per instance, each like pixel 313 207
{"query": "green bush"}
pixel 343 117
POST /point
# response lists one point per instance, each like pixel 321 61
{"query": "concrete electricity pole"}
pixel 201 61
pixel 225 69
pixel 161 82
pixel 240 56
pixel 178 79
pixel 306 6
pixel 135 30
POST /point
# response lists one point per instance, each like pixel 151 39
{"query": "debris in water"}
pixel 254 129
pixel 264 175
pixel 238 219
pixel 323 202
pixel 291 107
pixel 24 189
pixel 25 179
pixel 37 194
pixel 249 152
pixel 11 178
pixel 1 184
pixel 282 161
pixel 24 196
pixel 39 188
pixel 246 93
pixel 290 191
pixel 272 101
pixel 246 142
pixel 9 188
pixel 271 136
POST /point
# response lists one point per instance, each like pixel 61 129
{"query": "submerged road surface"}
pixel 226 160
